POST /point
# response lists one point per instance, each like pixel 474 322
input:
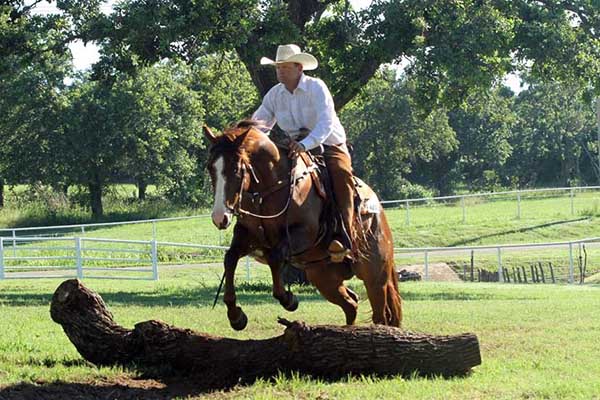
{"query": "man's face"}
pixel 288 73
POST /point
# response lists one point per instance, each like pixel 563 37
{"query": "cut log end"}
pixel 323 350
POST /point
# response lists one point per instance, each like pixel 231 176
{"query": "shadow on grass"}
pixel 201 296
pixel 513 231
pixel 166 388
pixel 247 293
pixel 120 390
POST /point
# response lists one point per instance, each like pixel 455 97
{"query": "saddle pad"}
pixel 368 202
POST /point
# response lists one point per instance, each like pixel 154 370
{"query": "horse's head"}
pixel 226 165
pixel 230 169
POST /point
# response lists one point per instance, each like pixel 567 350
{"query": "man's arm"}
pixel 265 112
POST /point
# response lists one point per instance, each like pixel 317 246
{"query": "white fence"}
pixel 138 259
pixel 517 195
pixel 135 259
pixel 41 231
pixel 77 257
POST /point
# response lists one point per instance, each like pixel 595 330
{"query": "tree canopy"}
pixel 451 47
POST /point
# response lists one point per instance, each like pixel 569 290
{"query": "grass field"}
pixel 537 342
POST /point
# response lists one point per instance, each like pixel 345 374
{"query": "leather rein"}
pixel 237 207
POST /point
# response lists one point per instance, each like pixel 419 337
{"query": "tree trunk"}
pixel 1 192
pixel 95 188
pixel 142 187
pixel 323 351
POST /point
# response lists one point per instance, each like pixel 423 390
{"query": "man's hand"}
pixel 295 149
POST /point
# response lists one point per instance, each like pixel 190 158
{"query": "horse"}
pixel 280 217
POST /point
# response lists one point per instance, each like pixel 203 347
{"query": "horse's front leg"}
pixel 239 247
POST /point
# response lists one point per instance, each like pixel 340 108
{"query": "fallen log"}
pixel 324 351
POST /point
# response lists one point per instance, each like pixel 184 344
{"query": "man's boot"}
pixel 341 248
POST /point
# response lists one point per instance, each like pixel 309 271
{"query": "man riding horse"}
pixel 299 103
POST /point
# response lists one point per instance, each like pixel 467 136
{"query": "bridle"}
pixel 237 205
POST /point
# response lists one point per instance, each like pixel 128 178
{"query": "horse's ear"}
pixel 240 139
pixel 209 134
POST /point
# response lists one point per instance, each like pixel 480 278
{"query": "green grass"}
pixel 537 341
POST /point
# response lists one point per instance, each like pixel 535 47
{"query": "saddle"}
pixel 366 201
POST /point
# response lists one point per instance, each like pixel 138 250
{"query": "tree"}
pixel 145 127
pixel 34 61
pixel 390 134
pixel 162 126
pixel 555 136
pixel 483 125
pixel 452 46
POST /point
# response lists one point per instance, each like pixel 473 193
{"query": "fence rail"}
pixel 82 255
pixel 563 260
pixel 518 199
pixel 568 259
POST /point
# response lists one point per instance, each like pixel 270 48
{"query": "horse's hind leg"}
pixel 276 260
pixel 329 280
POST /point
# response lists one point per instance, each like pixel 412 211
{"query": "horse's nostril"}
pixel 225 222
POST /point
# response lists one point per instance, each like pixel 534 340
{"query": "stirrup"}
pixel 337 251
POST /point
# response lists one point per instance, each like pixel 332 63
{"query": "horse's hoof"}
pixel 240 323
pixel 292 303
pixel 352 295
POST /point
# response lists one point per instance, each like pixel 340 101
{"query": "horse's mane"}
pixel 227 141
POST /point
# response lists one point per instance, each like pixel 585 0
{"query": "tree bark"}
pixel 323 351
pixel 95 188
pixel 142 187
pixel 1 192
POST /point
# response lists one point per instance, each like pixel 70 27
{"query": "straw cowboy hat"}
pixel 292 53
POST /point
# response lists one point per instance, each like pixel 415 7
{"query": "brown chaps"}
pixel 339 166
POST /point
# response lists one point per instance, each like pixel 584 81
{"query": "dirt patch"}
pixel 438 272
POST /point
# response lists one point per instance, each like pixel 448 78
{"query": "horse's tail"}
pixel 393 299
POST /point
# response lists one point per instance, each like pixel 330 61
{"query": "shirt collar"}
pixel 303 83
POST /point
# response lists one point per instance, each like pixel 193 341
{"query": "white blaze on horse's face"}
pixel 221 214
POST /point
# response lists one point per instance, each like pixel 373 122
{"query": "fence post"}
pixel 1 258
pixel 78 261
pixel 426 265
pixel 154 256
pixel 14 243
pixel 464 212
pixel 571 262
pixel 500 272
pixel 572 205
pixel 153 230
pixel 518 205
pixel 82 230
pixel 407 214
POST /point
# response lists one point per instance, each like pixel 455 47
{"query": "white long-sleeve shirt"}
pixel 310 106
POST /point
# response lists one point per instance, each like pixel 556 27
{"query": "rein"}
pixel 280 185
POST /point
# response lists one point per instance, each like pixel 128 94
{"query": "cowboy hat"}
pixel 292 53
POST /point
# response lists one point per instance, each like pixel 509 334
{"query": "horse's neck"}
pixel 270 169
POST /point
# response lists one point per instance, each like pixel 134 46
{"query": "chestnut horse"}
pixel 280 217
